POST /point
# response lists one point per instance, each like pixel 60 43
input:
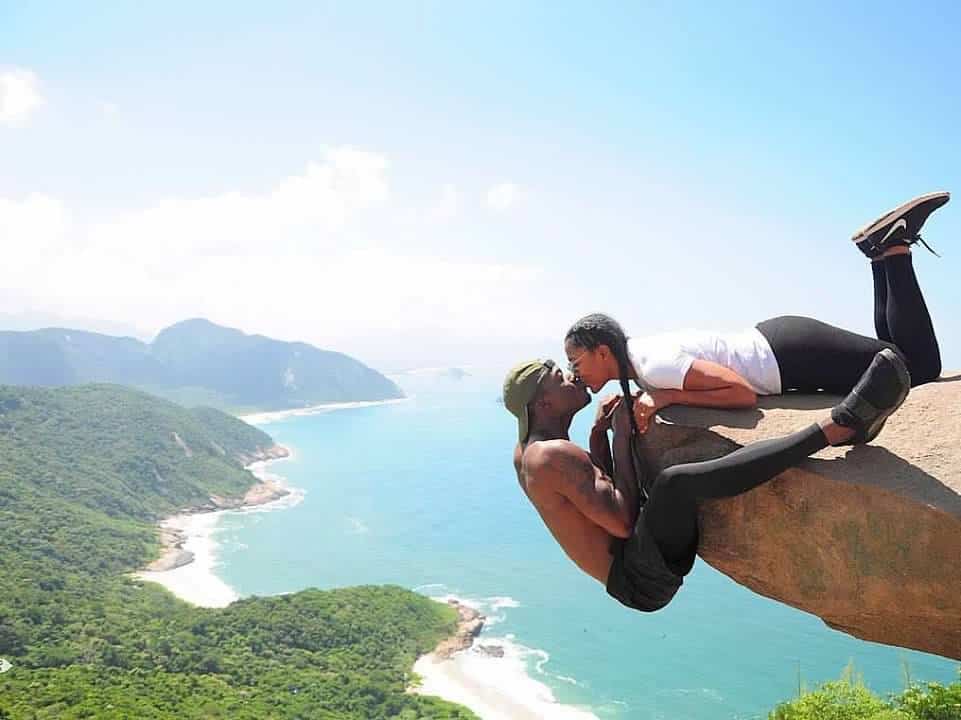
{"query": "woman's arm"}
pixel 706 384
pixel 712 385
pixel 601 450
pixel 600 446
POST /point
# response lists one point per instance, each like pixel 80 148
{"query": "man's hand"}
pixel 605 413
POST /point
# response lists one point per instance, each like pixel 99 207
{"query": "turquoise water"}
pixel 423 494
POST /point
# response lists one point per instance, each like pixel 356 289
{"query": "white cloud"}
pixel 319 298
pixel 302 210
pixel 503 196
pixel 19 96
pixel 448 206
pixel 31 229
pixel 109 110
pixel 315 258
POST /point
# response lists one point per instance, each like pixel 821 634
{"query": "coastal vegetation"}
pixel 185 363
pixel 849 699
pixel 85 473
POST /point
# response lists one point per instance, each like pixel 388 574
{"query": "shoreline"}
pixel 488 675
pixel 489 678
pixel 263 418
pixel 188 557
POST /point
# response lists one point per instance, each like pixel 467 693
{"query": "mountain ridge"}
pixel 194 362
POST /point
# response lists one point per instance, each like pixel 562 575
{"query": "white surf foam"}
pixel 264 418
pixel 197 581
pixel 496 688
pixel 492 677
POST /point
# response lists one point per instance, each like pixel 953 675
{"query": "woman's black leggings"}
pixel 813 355
pixel 670 513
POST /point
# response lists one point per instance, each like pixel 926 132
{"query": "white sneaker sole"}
pixel 899 210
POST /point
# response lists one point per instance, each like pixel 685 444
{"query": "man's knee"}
pixel 671 482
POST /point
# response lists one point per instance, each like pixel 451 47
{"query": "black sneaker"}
pixel 900 226
pixel 880 391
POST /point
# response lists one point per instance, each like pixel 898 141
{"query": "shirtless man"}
pixel 591 502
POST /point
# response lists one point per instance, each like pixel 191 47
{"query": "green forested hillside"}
pixel 84 474
pixel 194 362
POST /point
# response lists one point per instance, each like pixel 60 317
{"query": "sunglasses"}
pixel 572 364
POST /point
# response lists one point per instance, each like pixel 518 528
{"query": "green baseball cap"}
pixel 520 386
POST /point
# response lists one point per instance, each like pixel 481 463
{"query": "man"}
pixel 591 502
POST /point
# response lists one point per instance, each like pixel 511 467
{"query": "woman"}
pixel 592 503
pixel 789 353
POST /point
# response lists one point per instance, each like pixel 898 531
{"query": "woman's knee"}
pixel 924 371
pixel 923 367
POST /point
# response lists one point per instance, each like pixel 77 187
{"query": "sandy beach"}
pixel 488 675
pixel 267 417
pixel 192 578
pixel 186 567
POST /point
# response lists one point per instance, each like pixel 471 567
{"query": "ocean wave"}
pixel 497 685
pixel 264 418
pixel 488 606
pixel 294 497
pixel 494 676
pixel 544 657
pixel 503 601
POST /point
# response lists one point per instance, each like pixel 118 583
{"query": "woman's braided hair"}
pixel 599 329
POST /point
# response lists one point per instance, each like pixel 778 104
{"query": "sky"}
pixel 433 184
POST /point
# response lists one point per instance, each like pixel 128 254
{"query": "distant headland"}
pixel 195 362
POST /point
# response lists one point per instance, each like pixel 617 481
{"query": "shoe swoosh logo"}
pixel 899 225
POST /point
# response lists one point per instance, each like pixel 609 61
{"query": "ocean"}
pixel 422 494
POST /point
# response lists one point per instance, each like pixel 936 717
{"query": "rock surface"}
pixel 469 624
pixel 867 538
pixel 265 490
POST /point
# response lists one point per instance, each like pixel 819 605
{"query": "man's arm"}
pixel 559 467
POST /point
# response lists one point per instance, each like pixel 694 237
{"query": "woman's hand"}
pixel 646 406
pixel 605 413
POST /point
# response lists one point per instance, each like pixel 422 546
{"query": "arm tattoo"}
pixel 582 474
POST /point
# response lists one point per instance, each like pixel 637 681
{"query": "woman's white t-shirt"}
pixel 662 361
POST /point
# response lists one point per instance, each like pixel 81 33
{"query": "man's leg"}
pixel 671 512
